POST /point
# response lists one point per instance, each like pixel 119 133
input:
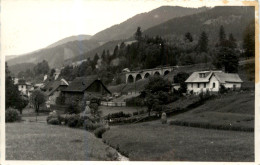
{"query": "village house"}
pixel 15 80
pixel 52 90
pixel 22 87
pixel 212 80
pixel 84 87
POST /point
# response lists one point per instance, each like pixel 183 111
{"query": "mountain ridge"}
pixel 145 20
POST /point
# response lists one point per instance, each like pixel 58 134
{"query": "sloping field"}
pixel 38 141
pixel 153 141
pixel 231 111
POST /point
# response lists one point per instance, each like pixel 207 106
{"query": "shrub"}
pixel 118 115
pixel 135 101
pixel 53 115
pixel 135 113
pixel 54 121
pixel 222 89
pixel 74 120
pixel 158 108
pixel 99 131
pixel 90 126
pixel 12 115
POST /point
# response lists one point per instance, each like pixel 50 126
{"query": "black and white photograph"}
pixel 129 80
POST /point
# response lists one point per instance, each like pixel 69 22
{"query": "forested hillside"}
pixel 234 19
pixel 126 29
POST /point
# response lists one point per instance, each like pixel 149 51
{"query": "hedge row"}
pixel 211 126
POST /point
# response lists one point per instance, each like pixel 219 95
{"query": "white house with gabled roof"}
pixel 211 80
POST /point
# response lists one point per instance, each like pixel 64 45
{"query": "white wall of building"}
pixel 203 87
pixel 22 89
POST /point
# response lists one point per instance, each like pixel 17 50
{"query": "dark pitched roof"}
pixel 21 82
pixel 80 84
pixel 221 76
pixel 53 86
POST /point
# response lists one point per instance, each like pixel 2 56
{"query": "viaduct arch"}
pixel 134 76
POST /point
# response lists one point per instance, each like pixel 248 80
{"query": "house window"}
pixel 198 85
pixel 204 85
pixel 214 85
pixel 191 85
pixel 202 75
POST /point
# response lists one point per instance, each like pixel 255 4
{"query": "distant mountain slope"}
pixel 127 28
pixel 99 50
pixel 71 38
pixel 10 57
pixel 234 19
pixel 15 69
pixel 56 55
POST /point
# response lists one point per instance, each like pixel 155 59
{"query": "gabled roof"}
pixel 80 84
pixel 54 85
pixel 21 82
pixel 228 77
pixel 221 77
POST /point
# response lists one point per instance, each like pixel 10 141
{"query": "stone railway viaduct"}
pixel 134 76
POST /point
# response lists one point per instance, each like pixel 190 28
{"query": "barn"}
pixel 84 87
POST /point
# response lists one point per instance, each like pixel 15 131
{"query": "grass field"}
pixel 38 141
pixel 155 141
pixel 234 109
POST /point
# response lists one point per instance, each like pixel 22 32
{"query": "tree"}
pixel 227 58
pixel 138 34
pixel 180 78
pixel 203 42
pixel 95 112
pixel 42 68
pixel 96 58
pixel 188 37
pixel 249 40
pixel 12 95
pixel 37 99
pixel 52 72
pixel 103 56
pixel 232 41
pixel 227 55
pixel 157 84
pixel 222 34
pixel 115 53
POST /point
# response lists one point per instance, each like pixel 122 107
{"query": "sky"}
pixel 29 25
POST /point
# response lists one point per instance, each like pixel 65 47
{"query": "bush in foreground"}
pixel 53 118
pixel 54 121
pixel 74 120
pixel 99 131
pixel 90 126
pixel 12 115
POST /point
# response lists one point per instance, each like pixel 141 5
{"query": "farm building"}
pixel 53 89
pixel 211 80
pixel 87 87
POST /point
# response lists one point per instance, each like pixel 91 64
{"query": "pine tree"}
pixel 188 37
pixel 222 34
pixel 249 40
pixel 232 41
pixel 203 42
pixel 138 34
